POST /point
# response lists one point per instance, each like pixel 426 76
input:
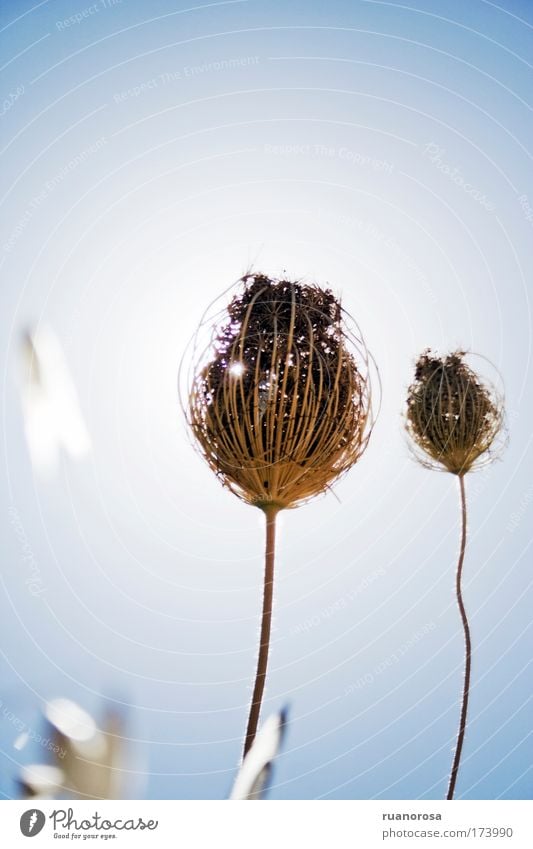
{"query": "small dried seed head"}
pixel 453 417
pixel 280 403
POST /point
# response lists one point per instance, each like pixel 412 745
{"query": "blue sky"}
pixel 150 154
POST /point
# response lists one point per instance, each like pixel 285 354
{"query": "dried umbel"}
pixel 280 405
pixel 455 419
pixel 453 416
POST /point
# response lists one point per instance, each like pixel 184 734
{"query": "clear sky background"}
pixel 152 152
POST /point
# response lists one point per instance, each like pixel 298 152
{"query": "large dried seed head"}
pixel 453 416
pixel 280 403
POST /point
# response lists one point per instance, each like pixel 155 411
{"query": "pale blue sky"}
pixel 150 153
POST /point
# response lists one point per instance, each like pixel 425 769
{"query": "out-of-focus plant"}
pixel 88 761
pixel 253 778
pixel 52 417
pixel 455 419
pixel 280 405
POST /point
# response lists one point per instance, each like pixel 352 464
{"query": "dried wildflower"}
pixel 280 406
pixel 455 420
pixel 281 410
pixel 452 416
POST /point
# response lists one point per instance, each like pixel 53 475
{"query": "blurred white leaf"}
pixel 52 415
pixel 70 719
pixel 40 781
pixel 91 759
pixel 21 741
pixel 253 776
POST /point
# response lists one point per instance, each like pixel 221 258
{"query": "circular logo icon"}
pixel 32 822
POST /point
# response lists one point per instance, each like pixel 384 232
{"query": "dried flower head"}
pixel 453 416
pixel 281 406
pixel 455 419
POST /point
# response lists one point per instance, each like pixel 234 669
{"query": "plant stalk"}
pixel 266 622
pixel 468 645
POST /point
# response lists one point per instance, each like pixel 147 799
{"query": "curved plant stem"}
pixel 266 621
pixel 468 645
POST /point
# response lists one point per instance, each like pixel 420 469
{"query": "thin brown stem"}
pixel 468 645
pixel 266 621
